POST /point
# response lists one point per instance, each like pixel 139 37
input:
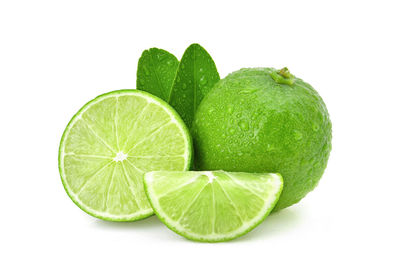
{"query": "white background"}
pixel 57 55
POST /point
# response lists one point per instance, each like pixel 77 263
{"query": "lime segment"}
pixel 212 206
pixel 108 146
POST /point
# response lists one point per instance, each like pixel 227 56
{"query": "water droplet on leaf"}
pixel 203 80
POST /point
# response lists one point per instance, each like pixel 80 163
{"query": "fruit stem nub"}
pixel 285 72
pixel 283 76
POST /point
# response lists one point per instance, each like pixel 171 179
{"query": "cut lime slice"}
pixel 108 146
pixel 212 206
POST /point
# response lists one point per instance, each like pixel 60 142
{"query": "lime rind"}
pixel 269 126
pixel 141 214
pixel 277 185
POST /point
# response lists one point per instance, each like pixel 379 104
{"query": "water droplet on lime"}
pixel 317 164
pixel 298 135
pixel 247 91
pixel 184 86
pixel 270 147
pixel 243 125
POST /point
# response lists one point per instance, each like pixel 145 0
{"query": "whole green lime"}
pixel 265 120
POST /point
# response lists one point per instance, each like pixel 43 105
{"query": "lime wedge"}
pixel 212 206
pixel 108 146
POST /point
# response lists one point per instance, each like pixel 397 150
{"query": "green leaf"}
pixel 195 77
pixel 156 72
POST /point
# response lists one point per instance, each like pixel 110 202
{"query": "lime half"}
pixel 212 206
pixel 108 146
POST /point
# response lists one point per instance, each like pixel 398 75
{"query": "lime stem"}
pixel 283 76
pixel 285 72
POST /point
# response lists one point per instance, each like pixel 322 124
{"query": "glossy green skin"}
pixel 251 123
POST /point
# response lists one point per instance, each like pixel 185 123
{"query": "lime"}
pixel 108 146
pixel 265 120
pixel 212 206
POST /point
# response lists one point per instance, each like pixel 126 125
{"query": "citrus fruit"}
pixel 108 146
pixel 265 120
pixel 212 206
